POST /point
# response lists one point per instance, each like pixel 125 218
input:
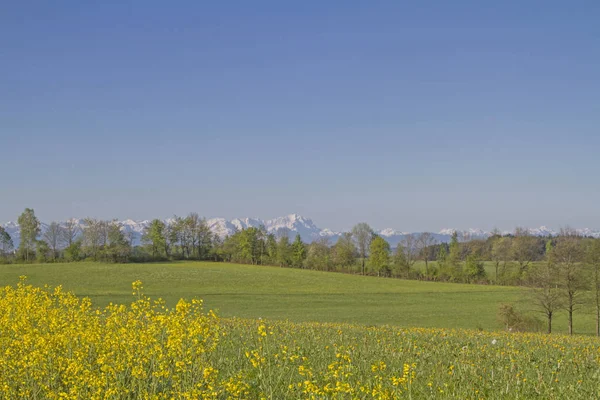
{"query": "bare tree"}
pixel 543 282
pixel 408 251
pixel 170 237
pixel 70 232
pixel 592 258
pixel 53 236
pixel 501 252
pixel 362 235
pixel 569 254
pixel 192 223
pixel 92 236
pixel 523 249
pixel 426 240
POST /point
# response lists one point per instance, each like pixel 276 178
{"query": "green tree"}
pixel 271 248
pixel 116 248
pixel 6 243
pixel 442 256
pixel 183 235
pixel 401 261
pixel 261 245
pixel 362 235
pixel 73 251
pixel 319 255
pixel 454 257
pixel 203 239
pixel 216 251
pixel 42 251
pixel 30 230
pixel 249 245
pixel 283 251
pixel 154 237
pixel 170 238
pixel 380 256
pixel 298 252
pixel 474 269
pixel 344 251
pixel 231 246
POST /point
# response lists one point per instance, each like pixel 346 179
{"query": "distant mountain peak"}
pixel 294 224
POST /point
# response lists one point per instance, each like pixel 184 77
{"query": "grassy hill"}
pixel 297 295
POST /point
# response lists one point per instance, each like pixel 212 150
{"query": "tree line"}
pixel 561 273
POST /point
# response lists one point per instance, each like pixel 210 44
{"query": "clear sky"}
pixel 412 115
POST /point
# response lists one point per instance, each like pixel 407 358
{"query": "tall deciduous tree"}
pixel 154 237
pixel 362 235
pixel 283 251
pixel 523 249
pixel 92 237
pixel 543 283
pixel 70 232
pixel 501 252
pixel 408 251
pixel 474 270
pixel 271 248
pixel 568 254
pixel 380 256
pixel 6 243
pixel 170 238
pixel 442 257
pixel 344 251
pixel 454 256
pixel 116 248
pixel 298 252
pixel 30 230
pixel 426 240
pixel 53 237
pixel 42 251
pixel 319 254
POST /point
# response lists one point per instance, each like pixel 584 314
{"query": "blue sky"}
pixel 417 116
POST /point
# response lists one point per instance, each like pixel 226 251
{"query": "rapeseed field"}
pixel 55 345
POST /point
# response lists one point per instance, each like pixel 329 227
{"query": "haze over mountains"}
pixel 293 224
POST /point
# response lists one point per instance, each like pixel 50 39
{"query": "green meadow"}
pixel 247 291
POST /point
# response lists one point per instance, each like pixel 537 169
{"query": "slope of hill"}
pixel 293 294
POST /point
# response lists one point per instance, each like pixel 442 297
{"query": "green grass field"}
pixel 289 294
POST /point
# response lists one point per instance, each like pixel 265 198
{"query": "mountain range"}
pixel 293 224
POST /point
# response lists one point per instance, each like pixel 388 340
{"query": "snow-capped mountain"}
pixel 471 232
pixel 293 224
pixel 296 224
pixel 545 231
pixel 290 225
